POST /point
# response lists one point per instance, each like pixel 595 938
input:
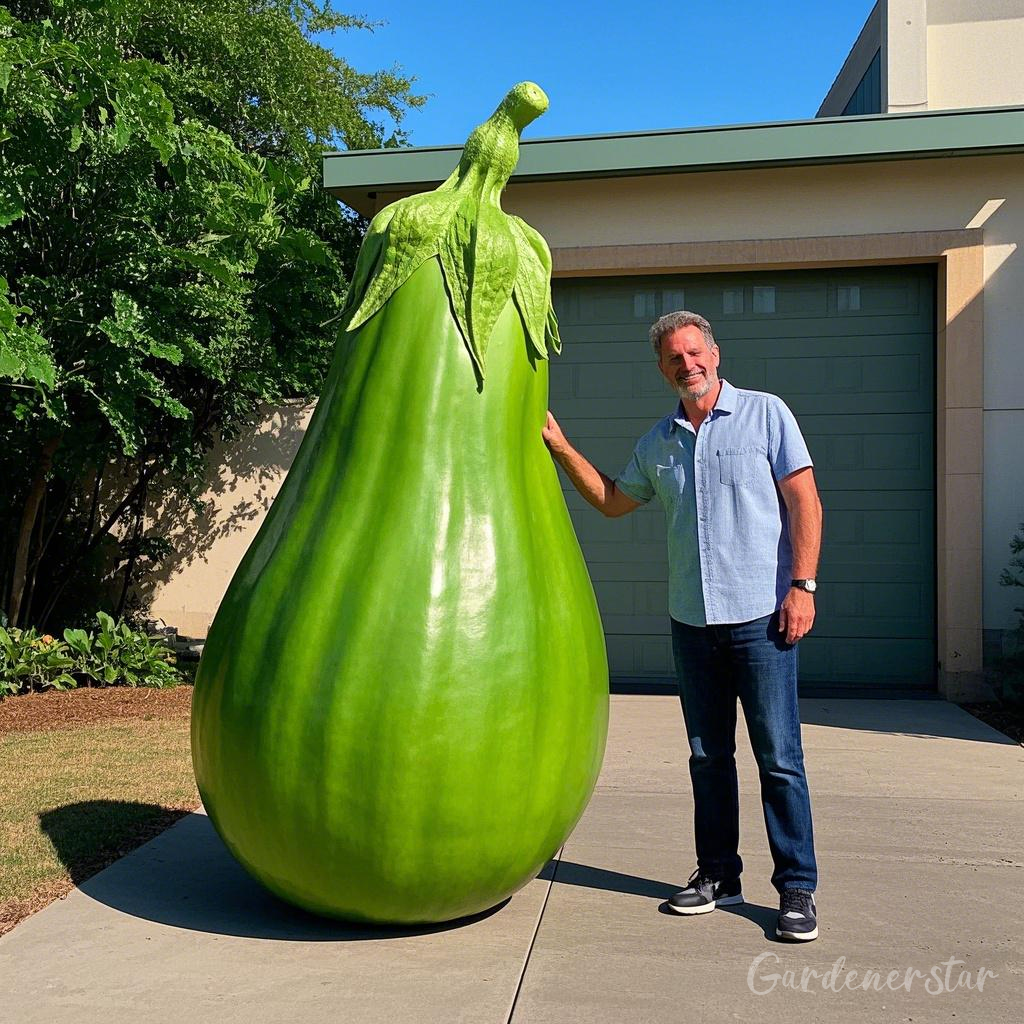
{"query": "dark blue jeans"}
pixel 752 661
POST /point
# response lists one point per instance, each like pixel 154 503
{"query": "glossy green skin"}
pixel 402 705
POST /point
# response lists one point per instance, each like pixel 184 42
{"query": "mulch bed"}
pixel 71 708
pixel 1009 721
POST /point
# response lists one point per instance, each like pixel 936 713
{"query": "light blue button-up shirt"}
pixel 729 553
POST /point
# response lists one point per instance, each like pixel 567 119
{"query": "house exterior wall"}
pixel 904 55
pixel 937 55
pixel 244 476
pixel 799 216
pixel 845 200
pixel 966 40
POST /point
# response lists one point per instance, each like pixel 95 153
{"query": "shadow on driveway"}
pixel 188 879
pixel 923 718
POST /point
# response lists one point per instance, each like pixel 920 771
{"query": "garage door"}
pixel 852 353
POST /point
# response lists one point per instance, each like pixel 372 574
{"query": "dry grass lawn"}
pixel 87 776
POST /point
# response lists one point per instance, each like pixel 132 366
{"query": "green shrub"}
pixel 30 661
pixel 114 654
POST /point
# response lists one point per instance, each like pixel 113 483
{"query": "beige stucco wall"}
pixel 805 205
pixel 905 55
pixel 974 53
pixel 244 477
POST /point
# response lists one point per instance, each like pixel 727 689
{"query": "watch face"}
pixel 810 586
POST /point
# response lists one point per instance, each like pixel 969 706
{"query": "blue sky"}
pixel 628 65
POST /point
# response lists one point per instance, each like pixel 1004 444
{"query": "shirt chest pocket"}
pixel 670 479
pixel 740 466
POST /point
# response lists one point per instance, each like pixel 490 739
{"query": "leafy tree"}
pixel 168 261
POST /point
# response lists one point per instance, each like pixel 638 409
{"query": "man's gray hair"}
pixel 664 326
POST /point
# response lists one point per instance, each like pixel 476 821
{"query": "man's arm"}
pixel 598 489
pixel 803 505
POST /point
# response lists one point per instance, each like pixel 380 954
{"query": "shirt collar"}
pixel 726 403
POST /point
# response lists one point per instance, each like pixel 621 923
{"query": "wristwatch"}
pixel 809 585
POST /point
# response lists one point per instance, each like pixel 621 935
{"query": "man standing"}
pixel 744 529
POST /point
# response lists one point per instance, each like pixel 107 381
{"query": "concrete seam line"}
pixel 533 938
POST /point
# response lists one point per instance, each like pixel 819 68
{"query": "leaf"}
pixel 163 146
pixel 367 263
pixel 455 254
pixel 414 234
pixel 76 138
pixel 11 209
pixel 225 272
pixel 105 621
pixel 533 283
pixel 478 258
pixel 169 353
pixel 305 246
pixel 25 355
pixel 78 640
pixel 494 266
pixel 122 133
pixel 551 337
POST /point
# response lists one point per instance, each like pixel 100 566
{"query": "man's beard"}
pixel 701 388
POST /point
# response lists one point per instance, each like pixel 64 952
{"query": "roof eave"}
pixel 355 177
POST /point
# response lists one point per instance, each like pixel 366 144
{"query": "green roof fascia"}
pixel 353 175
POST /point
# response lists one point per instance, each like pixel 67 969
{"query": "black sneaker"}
pixel 798 916
pixel 703 894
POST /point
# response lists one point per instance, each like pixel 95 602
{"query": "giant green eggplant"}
pixel 401 709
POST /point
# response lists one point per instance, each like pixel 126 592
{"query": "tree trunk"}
pixel 33 567
pixel 28 522
pixel 136 537
pixel 90 542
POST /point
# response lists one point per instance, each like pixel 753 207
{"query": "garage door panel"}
pixel 903 526
pixel 633 598
pixel 650 408
pixel 629 572
pixel 892 529
pixel 641 656
pixel 814 374
pixel 637 625
pixel 867 661
pixel 887 608
pixel 743 297
pixel 599 554
pixel 851 351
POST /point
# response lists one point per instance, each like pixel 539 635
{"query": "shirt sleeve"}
pixel 787 449
pixel 633 481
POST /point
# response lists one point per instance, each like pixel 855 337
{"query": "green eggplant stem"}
pixel 487 257
pixel 491 152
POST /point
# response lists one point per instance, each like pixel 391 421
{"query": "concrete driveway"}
pixel 919 814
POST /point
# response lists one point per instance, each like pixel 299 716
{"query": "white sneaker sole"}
pixel 725 901
pixel 797 936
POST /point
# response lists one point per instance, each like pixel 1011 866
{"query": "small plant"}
pixel 30 661
pixel 114 654
pixel 1009 669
